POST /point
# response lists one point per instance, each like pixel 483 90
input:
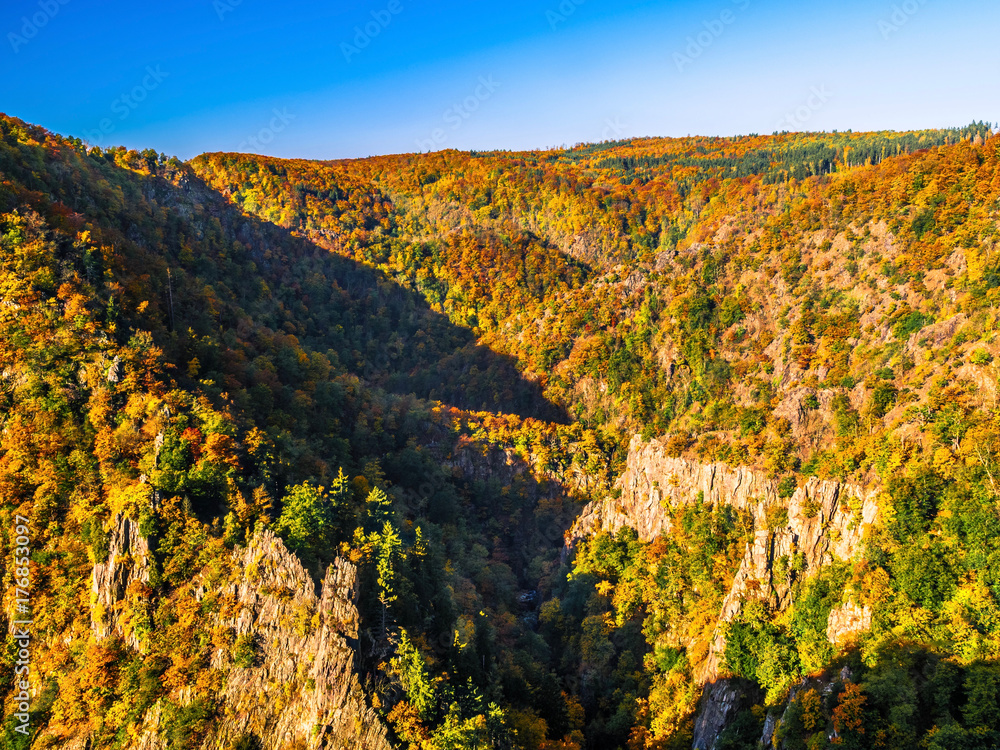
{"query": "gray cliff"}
pixel 822 521
pixel 300 688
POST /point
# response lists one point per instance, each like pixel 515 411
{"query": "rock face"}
pixel 476 463
pixel 720 702
pixel 301 687
pixel 295 684
pixel 846 621
pixel 820 522
pixel 794 537
pixel 127 564
pixel 654 482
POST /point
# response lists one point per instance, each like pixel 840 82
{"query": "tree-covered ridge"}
pixel 673 335
pixel 424 362
pixel 160 362
pixel 776 159
pixel 838 325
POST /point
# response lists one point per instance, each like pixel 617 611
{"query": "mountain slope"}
pixel 424 365
pixel 150 373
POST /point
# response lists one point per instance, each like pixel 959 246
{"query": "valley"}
pixel 643 444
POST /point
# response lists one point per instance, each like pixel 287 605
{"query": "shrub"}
pixel 758 650
pixel 678 443
pixel 924 222
pixel 909 324
pixel 246 742
pixel 752 422
pixel 776 517
pixel 787 487
pixel 308 518
pixel 981 357
pixel 245 651
pixel 185 726
pixel 883 399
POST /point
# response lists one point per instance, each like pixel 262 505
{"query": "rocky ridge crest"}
pixel 295 685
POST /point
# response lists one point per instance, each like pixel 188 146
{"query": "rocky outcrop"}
pixel 720 703
pixel 655 482
pixel 292 684
pixel 820 522
pixel 847 621
pixel 128 563
pixel 477 462
pixel 301 686
pixel 824 684
pixel 794 538
pixel 823 521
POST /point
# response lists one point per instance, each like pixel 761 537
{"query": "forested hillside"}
pixel 715 351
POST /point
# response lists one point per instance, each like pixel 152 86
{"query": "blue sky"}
pixel 348 79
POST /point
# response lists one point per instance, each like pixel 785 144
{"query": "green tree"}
pixel 341 496
pixel 377 511
pixel 307 521
pixel 410 669
pixel 388 546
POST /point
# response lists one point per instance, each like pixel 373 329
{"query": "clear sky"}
pixel 344 78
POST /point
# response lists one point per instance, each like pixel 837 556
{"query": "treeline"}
pixel 794 157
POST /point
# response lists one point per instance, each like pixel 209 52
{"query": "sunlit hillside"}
pixel 536 440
